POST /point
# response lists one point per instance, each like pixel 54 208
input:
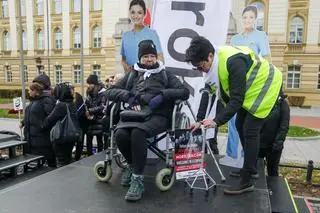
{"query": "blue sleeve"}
pixel 264 48
pixel 156 41
pixel 122 46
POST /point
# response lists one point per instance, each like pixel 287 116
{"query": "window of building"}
pixel 40 69
pixel 96 37
pixel 76 74
pixel 39 7
pixel 58 38
pixel 97 70
pixel 260 18
pixel 8 74
pixel 319 78
pixel 6 41
pixel 40 42
pixel 76 38
pixel 58 74
pixel 97 5
pixel 76 6
pixel 57 6
pixel 5 9
pixel 296 30
pixel 25 72
pixel 23 7
pixel 293 77
pixel 24 40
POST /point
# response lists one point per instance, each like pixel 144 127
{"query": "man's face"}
pixel 148 59
pixel 205 65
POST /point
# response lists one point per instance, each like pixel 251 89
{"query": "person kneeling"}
pixel 152 92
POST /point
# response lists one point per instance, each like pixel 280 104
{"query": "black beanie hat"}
pixel 92 79
pixel 44 80
pixel 146 47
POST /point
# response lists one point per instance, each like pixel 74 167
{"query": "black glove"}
pixel 277 146
pixel 133 100
pixel 156 101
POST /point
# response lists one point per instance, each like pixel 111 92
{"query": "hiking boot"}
pixel 237 173
pixel 126 176
pixel 136 188
pixel 244 187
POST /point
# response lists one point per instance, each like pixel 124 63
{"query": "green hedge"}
pixel 12 93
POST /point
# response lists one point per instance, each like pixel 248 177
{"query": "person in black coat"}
pixel 148 94
pixel 64 95
pixel 273 135
pixel 39 108
pixel 95 104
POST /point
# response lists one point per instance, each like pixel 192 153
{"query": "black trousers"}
pixel 79 148
pixel 272 159
pixel 132 143
pixel 63 153
pixel 249 128
pixel 99 142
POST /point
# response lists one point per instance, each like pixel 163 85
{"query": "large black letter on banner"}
pixel 188 33
pixel 194 7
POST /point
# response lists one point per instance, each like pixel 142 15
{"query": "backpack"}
pixel 130 79
pixel 65 130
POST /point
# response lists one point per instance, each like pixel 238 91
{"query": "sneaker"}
pixel 246 187
pixel 126 176
pixel 238 172
pixel 136 188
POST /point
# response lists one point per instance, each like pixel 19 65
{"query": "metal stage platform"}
pixel 74 189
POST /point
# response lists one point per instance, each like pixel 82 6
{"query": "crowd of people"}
pixel 250 94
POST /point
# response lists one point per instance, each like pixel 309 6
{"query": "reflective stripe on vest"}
pixel 263 81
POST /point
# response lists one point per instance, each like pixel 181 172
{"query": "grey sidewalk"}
pixel 294 151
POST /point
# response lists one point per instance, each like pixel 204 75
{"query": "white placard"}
pixel 17 104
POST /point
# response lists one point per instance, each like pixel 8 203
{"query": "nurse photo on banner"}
pixel 259 43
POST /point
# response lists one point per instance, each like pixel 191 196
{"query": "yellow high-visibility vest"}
pixel 263 81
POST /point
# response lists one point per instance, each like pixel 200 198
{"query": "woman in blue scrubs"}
pixel 139 32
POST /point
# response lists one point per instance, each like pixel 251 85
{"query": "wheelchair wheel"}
pixel 102 171
pixel 120 161
pixel 165 179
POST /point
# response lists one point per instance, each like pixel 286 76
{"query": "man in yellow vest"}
pixel 249 86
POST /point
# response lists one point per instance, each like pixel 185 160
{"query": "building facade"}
pixel 293 27
pixel 52 42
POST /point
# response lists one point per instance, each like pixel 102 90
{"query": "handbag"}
pixel 65 130
pixel 135 116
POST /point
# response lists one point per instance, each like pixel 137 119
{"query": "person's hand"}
pixel 155 101
pixel 195 126
pixel 277 146
pixel 136 108
pixel 208 123
pixel 127 67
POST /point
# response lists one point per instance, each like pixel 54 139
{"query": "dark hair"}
pixel 199 50
pixel 140 3
pixel 251 8
pixel 62 92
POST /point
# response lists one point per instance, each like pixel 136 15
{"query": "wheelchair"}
pixel 165 178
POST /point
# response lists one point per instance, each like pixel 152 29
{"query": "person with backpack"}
pixel 64 106
pixel 149 93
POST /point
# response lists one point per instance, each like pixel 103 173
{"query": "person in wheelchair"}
pixel 150 93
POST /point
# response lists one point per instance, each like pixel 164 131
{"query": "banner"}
pixel 177 22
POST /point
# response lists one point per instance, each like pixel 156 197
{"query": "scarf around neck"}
pixel 147 72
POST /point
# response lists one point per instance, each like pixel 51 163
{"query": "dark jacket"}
pixel 59 112
pixel 276 125
pixel 38 109
pixel 95 104
pixel 146 89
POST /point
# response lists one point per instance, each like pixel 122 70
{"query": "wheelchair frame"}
pixel 165 177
